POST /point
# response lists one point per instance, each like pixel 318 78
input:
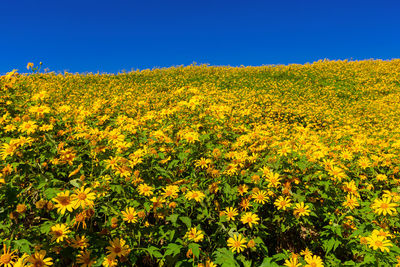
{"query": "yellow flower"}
pixel 7 258
pixel 379 242
pixel 301 210
pixel 110 262
pixel 28 127
pixel 293 261
pixel 242 189
pixel 351 202
pixel 29 66
pixel 59 232
pixel 196 195
pixel 38 259
pixel 64 202
pixel 260 197
pixel 145 190
pixel 237 243
pixel 21 262
pixel 84 259
pixel 230 213
pixel 80 242
pixel 273 179
pixel 282 203
pixel 171 191
pixel 130 215
pixel 83 198
pixel 313 261
pixel 21 208
pixel 7 150
pixel 194 235
pixel 384 206
pixel 250 218
pixel 202 163
pixel 118 248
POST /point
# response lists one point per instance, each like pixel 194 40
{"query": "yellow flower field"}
pixel 292 165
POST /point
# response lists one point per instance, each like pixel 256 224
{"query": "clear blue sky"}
pixel 111 36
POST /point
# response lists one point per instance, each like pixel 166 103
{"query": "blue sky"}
pixel 111 36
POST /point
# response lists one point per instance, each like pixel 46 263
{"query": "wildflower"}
pixel 230 213
pixel 313 261
pixel 157 202
pixel 7 258
pixel 245 204
pixel 84 259
pixel 282 203
pixel 306 252
pixel 64 202
pixel 196 195
pixel 109 261
pixel 38 259
pixel 301 210
pixel 118 248
pixel 260 196
pixel 21 262
pixel 351 202
pixel 28 127
pixel 21 208
pixel 29 66
pixel 250 218
pixel 202 163
pixel 145 190
pixel 384 206
pixel 171 191
pixel 379 242
pixel 194 235
pixel 273 179
pixel 242 189
pixel 83 198
pixel 130 215
pixel 251 243
pixel 59 232
pixel 80 242
pixel 381 177
pixel 293 261
pixel 237 243
pixel 7 150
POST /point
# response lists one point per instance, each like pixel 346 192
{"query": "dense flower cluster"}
pixel 211 166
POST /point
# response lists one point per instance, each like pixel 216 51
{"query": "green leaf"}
pixel 154 251
pixel 225 258
pixel 23 245
pixel 45 227
pixel 267 262
pixel 195 249
pixel 117 188
pixel 187 221
pixel 173 249
pixel 331 244
pixel 76 182
pixel 51 192
pixel 173 218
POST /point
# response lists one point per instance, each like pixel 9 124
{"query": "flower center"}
pixel 64 201
pixel 384 206
pixel 58 233
pixel 237 244
pixel 82 196
pixel 6 258
pixel 117 250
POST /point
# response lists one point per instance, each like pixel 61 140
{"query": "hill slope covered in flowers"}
pixel 209 166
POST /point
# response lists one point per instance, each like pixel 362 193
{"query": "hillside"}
pixel 203 165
